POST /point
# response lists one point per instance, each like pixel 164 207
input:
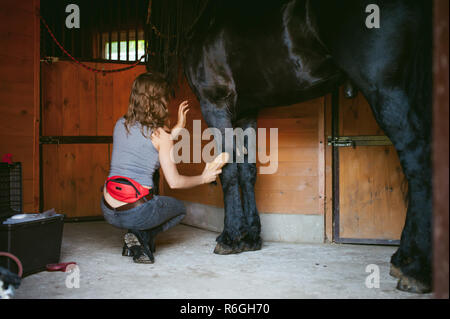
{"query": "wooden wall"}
pixel 19 92
pixel 78 102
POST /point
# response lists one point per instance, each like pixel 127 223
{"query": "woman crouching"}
pixel 142 144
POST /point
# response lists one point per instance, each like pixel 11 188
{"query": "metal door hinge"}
pixel 48 140
pixel 353 141
pixel 75 140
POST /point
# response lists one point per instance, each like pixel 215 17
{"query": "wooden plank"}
pixel 88 184
pixel 290 124
pixel 299 169
pixel 88 109
pixel 372 185
pixel 68 185
pixel 28 196
pixel 67 188
pixel 51 178
pixel 71 100
pixel 52 112
pixel 16 42
pixel 304 184
pixel 105 92
pixel 16 68
pixel 286 202
pixel 14 94
pixel 299 110
pixel 18 121
pixel 304 139
pixel 372 200
pixel 36 108
pixel 328 173
pixel 321 157
pixel 356 117
pixel 293 154
pixel 18 21
pixel 21 10
pixel 19 91
pixel 122 88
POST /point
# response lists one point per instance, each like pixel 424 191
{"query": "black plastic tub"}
pixel 35 242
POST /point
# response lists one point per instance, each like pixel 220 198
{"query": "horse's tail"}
pixel 418 80
pixel 418 76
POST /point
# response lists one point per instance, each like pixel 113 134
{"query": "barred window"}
pixel 110 30
pixel 122 46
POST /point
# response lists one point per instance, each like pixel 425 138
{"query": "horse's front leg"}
pixel 247 179
pixel 230 240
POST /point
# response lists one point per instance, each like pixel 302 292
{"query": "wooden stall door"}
pixel 372 187
pixel 79 110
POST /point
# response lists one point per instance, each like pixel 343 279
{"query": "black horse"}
pixel 245 55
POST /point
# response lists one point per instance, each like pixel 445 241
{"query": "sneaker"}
pixel 139 248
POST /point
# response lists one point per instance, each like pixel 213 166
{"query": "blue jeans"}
pixel 161 211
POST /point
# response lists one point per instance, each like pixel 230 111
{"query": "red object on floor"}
pixel 7 158
pixel 59 267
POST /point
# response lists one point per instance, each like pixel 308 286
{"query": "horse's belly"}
pixel 284 82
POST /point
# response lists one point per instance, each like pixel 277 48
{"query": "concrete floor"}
pixel 185 267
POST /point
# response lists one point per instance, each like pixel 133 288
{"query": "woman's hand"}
pixel 210 175
pixel 182 111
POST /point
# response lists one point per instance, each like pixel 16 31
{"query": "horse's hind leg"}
pixel 409 132
pixel 392 68
pixel 247 178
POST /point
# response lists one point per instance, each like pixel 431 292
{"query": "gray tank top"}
pixel 134 155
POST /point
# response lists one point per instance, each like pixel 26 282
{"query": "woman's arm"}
pixel 173 178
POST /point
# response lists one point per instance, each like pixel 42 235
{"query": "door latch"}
pixel 353 141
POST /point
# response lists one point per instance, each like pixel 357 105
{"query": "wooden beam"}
pixel 440 149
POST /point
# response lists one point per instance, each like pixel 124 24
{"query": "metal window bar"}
pixel 127 14
pixel 110 33
pixel 119 24
pixel 136 41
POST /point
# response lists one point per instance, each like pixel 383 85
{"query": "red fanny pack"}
pixel 125 189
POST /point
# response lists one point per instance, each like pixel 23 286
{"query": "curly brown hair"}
pixel 148 103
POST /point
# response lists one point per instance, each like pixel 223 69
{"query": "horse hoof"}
pixel 395 272
pixel 411 285
pixel 222 249
pixel 253 245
